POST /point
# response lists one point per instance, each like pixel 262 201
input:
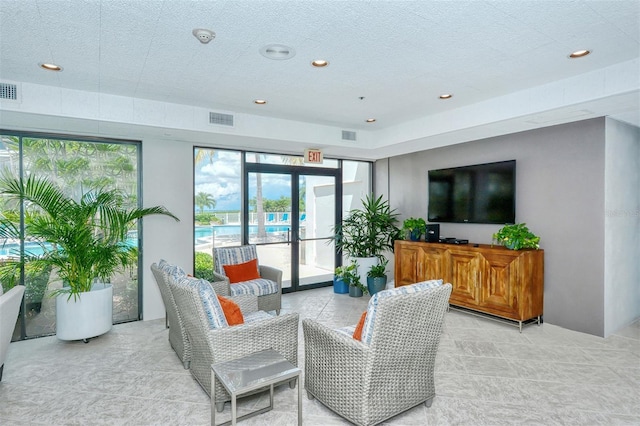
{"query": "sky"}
pixel 220 177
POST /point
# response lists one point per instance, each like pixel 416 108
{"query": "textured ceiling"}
pixel 398 55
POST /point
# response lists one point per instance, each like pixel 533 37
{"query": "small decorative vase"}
pixel 355 291
pixel 376 284
pixel 339 286
pixel 415 235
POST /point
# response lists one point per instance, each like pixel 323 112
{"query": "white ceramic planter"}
pixel 364 264
pixel 89 316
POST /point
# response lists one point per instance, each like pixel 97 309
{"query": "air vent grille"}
pixel 221 119
pixel 9 91
pixel 348 135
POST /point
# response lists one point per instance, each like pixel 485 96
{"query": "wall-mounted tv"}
pixel 482 193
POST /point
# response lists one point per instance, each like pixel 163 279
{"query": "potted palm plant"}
pixel 366 233
pixel 84 242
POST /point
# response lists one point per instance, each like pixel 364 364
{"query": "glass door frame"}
pixel 295 172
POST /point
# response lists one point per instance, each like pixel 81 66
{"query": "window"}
pixel 76 165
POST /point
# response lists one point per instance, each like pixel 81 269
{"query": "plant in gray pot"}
pixel 377 277
pixel 356 288
pixel 84 242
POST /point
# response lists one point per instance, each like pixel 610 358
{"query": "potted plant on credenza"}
pixel 415 227
pixel 84 242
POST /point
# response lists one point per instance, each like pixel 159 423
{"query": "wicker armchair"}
pixel 173 321
pixel 209 346
pixel 368 384
pixel 269 300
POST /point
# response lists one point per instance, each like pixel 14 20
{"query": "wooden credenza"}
pixel 489 279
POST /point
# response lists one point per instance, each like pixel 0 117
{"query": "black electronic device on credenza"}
pixel 454 240
pixel 433 233
pixel 482 193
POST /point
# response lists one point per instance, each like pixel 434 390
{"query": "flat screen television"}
pixel 482 193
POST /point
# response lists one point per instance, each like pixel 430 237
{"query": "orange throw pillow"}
pixel 231 310
pixel 242 271
pixel 357 333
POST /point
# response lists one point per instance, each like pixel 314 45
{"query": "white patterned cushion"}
pixel 257 287
pixel 171 270
pixel 233 256
pixel 210 303
pixel 256 316
pixel 348 330
pixel 367 329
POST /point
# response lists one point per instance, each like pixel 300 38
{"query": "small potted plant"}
pixel 342 277
pixel 377 277
pixel 415 227
pixel 517 237
pixel 356 288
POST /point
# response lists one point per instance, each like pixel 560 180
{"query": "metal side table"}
pixel 259 370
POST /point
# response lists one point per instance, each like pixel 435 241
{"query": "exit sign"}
pixel 313 156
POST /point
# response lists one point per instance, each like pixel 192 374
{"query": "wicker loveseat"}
pixel 177 334
pixel 210 344
pixel 391 369
pixel 268 287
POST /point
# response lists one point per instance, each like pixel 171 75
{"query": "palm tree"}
pixel 204 199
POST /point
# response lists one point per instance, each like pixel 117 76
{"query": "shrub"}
pixel 204 266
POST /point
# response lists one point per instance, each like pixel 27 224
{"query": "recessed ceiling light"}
pixel 277 52
pixel 370 120
pixel 446 96
pixel 579 54
pixel 319 63
pixel 260 101
pixel 50 67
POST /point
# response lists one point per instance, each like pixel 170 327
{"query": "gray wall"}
pixel 622 225
pixel 560 193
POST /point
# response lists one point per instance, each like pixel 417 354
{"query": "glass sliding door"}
pixel 76 166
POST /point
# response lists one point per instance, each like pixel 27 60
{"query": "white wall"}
pixel 622 225
pixel 167 179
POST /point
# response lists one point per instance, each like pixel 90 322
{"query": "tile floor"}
pixel 487 374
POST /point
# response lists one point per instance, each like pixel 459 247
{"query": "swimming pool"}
pixel 207 231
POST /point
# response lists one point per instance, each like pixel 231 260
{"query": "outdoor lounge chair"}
pixel 267 284
pixel 391 369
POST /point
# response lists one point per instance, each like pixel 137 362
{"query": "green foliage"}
pixel 82 240
pixel 206 218
pixel 516 237
pixel 369 231
pixel 349 274
pixel 415 225
pixel 379 270
pixel 204 266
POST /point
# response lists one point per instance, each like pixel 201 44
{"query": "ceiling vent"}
pixel 8 91
pixel 348 135
pixel 221 119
